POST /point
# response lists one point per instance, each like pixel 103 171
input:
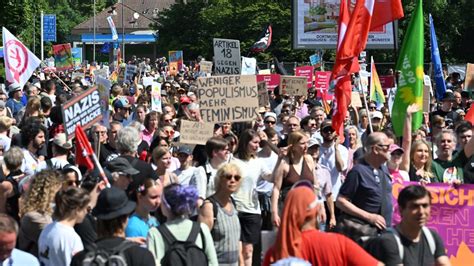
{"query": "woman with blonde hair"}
pixel 36 208
pixel 354 144
pixel 220 215
pixel 162 159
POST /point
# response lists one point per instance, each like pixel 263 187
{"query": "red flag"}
pixel 386 11
pixel 84 149
pixel 470 115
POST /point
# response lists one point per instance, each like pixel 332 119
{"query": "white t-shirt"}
pixel 57 244
pixel 57 164
pixel 246 198
pixel 30 163
pixel 5 141
pixel 203 186
pixel 328 159
pixel 264 186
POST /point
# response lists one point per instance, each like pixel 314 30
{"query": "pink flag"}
pixel 19 61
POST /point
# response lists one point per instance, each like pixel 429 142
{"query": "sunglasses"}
pixel 229 177
pixel 328 130
pixel 71 182
pixel 269 122
pixel 383 146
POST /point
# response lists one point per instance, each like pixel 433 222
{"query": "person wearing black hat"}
pixel 446 109
pixel 122 172
pixel 112 211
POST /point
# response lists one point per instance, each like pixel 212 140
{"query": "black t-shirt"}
pixel 385 249
pixel 87 231
pixel 135 255
pixel 145 169
pixel 450 117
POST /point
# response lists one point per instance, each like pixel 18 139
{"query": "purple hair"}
pixel 180 200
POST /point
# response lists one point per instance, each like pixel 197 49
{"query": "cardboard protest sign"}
pixel 305 71
pixel 228 98
pixel 177 58
pixel 130 70
pixel 156 97
pixel 226 57
pixel 192 132
pixel 427 87
pixel 452 217
pixel 272 80
pixel 84 109
pixel 249 66
pixel 263 98
pixel 103 87
pixel 291 85
pixel 206 67
pixel 63 56
pixel 469 80
pixel 355 99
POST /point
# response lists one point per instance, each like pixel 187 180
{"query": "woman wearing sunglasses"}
pixel 219 213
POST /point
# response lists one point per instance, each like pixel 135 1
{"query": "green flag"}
pixel 410 80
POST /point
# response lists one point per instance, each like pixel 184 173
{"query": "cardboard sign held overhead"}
pixel 84 109
pixel 130 70
pixel 272 80
pixel 206 67
pixel 305 71
pixel 195 132
pixel 355 99
pixel 227 57
pixel 263 98
pixel 427 87
pixel 294 86
pixel 228 98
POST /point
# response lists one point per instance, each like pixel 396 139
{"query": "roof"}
pixel 147 10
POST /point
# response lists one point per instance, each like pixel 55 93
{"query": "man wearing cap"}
pixel 14 99
pixel 446 109
pixel 323 174
pixel 122 172
pixel 188 174
pixel 333 155
pixel 112 211
pixel 122 109
pixel 393 165
pixel 61 149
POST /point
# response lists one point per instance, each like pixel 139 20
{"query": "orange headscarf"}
pixel 299 207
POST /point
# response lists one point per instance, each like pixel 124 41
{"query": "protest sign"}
pixel 177 58
pixel 156 97
pixel 315 60
pixel 173 68
pixel 291 85
pixel 192 132
pixel 63 56
pixel 265 71
pixel 77 57
pixel 77 76
pixel 84 109
pixel 427 87
pixel 263 98
pixel 305 71
pixel 103 86
pixel 321 82
pixel 355 99
pixel 130 70
pixel 103 72
pixel 228 98
pixel 147 81
pixel 205 67
pixel 452 216
pixel 272 80
pixel 387 81
pixel 469 80
pixel 249 66
pixel 226 57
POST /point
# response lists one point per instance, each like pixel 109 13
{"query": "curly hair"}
pixel 41 192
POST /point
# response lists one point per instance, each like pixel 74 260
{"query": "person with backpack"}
pixel 181 241
pixel 220 214
pixel 410 242
pixel 111 248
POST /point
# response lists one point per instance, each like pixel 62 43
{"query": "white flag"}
pixel 19 61
pixel 249 66
pixel 112 28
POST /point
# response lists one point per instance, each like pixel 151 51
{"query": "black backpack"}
pixel 183 252
pixel 105 257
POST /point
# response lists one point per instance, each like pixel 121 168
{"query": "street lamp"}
pixel 93 52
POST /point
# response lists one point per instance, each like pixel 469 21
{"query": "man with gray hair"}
pixel 9 255
pixel 128 139
pixel 448 168
pixel 365 197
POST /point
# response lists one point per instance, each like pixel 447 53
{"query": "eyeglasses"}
pixel 101 132
pixel 372 107
pixel 383 146
pixel 229 177
pixel 269 122
pixel 328 130
pixel 312 125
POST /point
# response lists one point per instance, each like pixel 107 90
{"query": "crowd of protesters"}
pixel 287 171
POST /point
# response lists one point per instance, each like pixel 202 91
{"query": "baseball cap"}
pixel 121 164
pixel 13 87
pixel 121 103
pixel 448 96
pixel 326 123
pixel 185 149
pixel 395 147
pixel 376 114
pixel 312 142
pixel 61 140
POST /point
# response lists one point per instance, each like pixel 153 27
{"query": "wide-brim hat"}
pixel 112 203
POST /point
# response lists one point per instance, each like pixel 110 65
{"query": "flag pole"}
pixel 365 103
pixel 42 38
pixel 56 76
pixel 101 170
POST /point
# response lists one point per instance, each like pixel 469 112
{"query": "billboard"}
pixel 315 26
